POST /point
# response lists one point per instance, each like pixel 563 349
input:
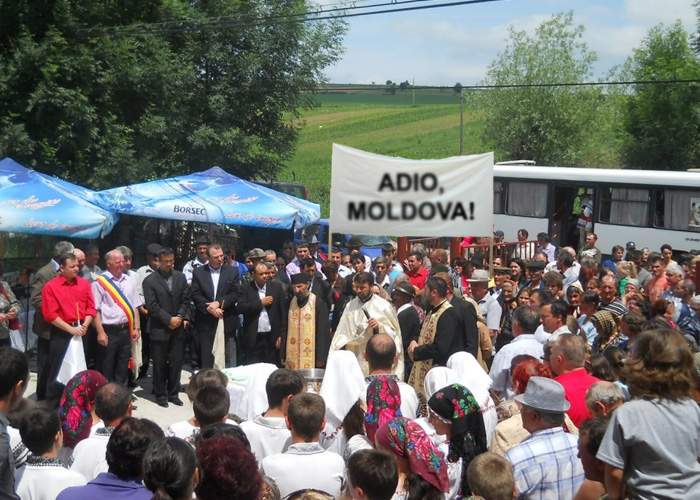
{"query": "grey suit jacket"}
pixel 40 278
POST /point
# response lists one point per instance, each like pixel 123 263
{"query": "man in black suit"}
pixel 317 282
pixel 214 293
pixel 467 316
pixel 402 297
pixel 167 298
pixel 263 304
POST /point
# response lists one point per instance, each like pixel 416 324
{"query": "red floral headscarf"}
pixel 383 403
pixel 406 439
pixel 76 403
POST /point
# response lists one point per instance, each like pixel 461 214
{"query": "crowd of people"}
pixel 559 376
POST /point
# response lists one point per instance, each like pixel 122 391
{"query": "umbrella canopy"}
pixel 211 196
pixel 32 202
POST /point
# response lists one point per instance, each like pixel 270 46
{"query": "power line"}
pixel 341 88
pixel 321 14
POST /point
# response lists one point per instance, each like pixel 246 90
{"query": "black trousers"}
pixel 167 358
pixel 264 350
pixel 42 361
pixel 113 360
pixel 205 343
pixel 58 345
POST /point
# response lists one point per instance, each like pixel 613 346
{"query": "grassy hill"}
pixel 379 123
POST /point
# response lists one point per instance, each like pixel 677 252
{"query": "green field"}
pixel 379 123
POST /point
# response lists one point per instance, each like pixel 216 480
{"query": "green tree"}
pixel 457 88
pixel 663 121
pixel 106 93
pixel 545 124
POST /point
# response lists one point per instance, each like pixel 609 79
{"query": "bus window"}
pixel 625 206
pixel 677 209
pixel 528 199
pixel 498 198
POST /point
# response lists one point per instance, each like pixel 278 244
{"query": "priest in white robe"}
pixel 365 315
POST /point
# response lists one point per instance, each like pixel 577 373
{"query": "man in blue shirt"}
pixel 125 450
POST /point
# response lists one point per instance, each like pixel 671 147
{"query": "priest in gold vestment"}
pixel 308 328
pixel 363 316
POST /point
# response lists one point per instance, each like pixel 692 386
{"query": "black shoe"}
pixel 162 402
pixel 176 401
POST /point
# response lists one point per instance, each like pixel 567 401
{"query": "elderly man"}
pixel 117 321
pixel 40 327
pixel 524 322
pixel 546 464
pixel 567 359
pixel 609 301
pixel 363 316
pixel 381 357
pixel 603 397
pixel 489 307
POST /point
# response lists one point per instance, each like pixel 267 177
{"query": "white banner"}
pixel 383 195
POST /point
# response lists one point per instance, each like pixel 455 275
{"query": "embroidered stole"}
pixel 117 295
pixel 301 335
pixel 427 336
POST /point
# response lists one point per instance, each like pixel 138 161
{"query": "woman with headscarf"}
pixel 343 390
pixel 608 333
pixel 473 377
pixel 76 409
pixel 383 403
pixel 422 467
pixel 455 412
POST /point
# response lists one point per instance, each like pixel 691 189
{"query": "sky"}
pixel 456 44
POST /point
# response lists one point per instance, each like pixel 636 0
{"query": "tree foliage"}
pixel 663 121
pixel 99 92
pixel 545 124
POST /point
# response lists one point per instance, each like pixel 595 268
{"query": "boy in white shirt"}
pixel 112 405
pixel 268 433
pixel 306 464
pixel 44 476
pixel 210 405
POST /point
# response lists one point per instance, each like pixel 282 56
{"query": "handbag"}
pixel 13 324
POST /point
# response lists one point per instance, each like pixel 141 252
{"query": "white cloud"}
pixel 651 12
pixel 446 46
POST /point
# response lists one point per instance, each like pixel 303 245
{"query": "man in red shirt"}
pixel 568 353
pixel 417 274
pixel 67 305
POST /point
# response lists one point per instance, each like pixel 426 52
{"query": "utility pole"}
pixel 461 121
pixel 413 92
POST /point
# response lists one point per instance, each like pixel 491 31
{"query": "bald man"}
pixel 382 357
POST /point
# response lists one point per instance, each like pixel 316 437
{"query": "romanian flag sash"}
pixel 119 298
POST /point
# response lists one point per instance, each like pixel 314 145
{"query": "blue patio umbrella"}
pixel 213 196
pixel 36 203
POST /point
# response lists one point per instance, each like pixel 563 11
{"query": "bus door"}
pixel 571 214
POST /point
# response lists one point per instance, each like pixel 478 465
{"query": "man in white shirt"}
pixel 381 357
pixel 488 304
pixel 44 476
pixel 553 316
pixel 524 322
pixel 268 433
pixel 306 464
pixel 112 405
pixel 201 259
pixel 544 246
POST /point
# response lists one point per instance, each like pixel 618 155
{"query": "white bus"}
pixel 648 207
